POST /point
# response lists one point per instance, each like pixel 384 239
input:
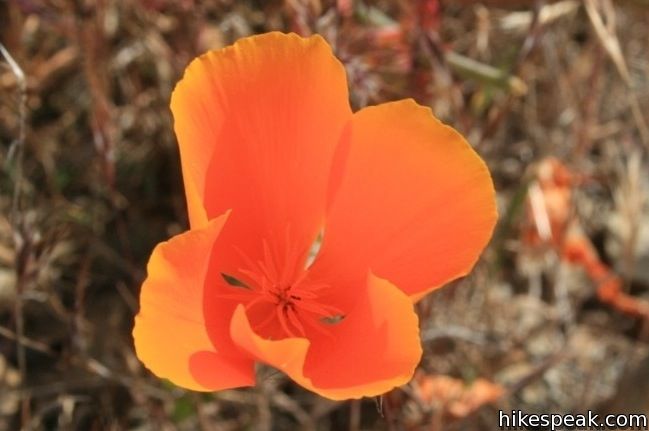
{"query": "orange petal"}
pixel 287 354
pixel 170 333
pixel 409 199
pixel 372 350
pixel 257 124
pixel 375 348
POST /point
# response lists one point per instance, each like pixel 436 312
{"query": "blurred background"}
pixel 554 95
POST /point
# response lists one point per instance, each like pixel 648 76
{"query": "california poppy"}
pixel 273 159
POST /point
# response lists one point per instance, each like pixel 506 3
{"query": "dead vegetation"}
pixel 554 95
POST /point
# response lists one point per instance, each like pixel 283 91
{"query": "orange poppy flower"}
pixel 273 158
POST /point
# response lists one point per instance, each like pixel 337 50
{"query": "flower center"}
pixel 279 301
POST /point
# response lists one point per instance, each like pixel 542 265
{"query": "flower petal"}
pixel 375 348
pixel 258 123
pixel 409 199
pixel 372 350
pixel 170 333
pixel 286 355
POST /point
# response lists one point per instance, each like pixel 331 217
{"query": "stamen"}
pixel 322 310
pixel 303 294
pixel 268 264
pixel 252 266
pixel 253 276
pixel 281 315
pixel 316 326
pixel 267 321
pixel 277 280
pixel 295 320
pixel 258 300
pixel 288 255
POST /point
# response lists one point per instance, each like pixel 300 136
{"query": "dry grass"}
pixel 91 182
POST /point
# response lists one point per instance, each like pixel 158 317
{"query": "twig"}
pixel 77 322
pixel 100 370
pixel 27 342
pixel 288 404
pixel 17 146
pixel 520 21
pixel 386 410
pixel 606 33
pixel 16 152
pixel 264 411
pixel 497 113
pixel 537 372
pixel 355 415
